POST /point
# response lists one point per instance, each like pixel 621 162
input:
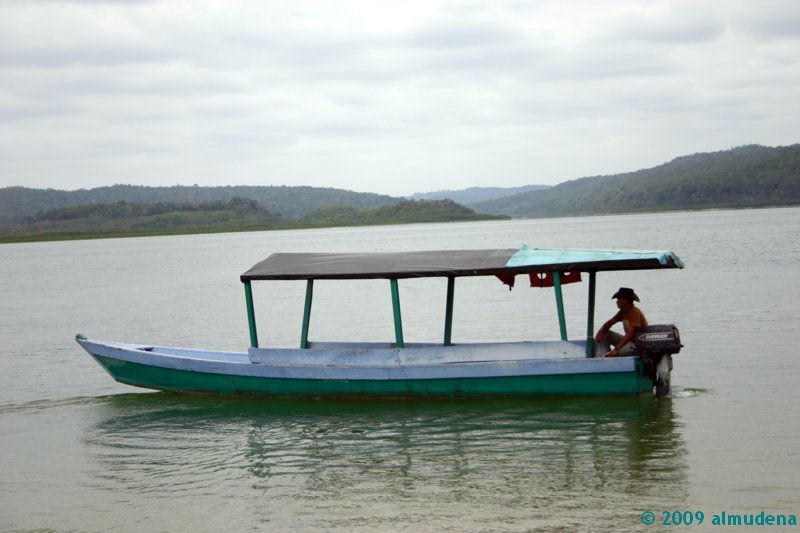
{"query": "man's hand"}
pixel 613 353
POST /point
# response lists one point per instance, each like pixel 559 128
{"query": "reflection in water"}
pixel 503 456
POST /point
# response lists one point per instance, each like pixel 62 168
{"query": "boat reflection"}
pixel 509 453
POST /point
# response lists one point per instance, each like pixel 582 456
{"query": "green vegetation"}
pixel 237 213
pixel 748 176
pixel 123 219
pixel 18 202
pixel 407 211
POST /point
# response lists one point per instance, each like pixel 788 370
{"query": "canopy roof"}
pixel 384 265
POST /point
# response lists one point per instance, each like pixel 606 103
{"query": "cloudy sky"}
pixel 391 97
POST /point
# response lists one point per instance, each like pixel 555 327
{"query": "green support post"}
pixel 590 316
pixel 251 314
pixel 398 321
pixel 448 311
pixel 562 323
pixel 307 314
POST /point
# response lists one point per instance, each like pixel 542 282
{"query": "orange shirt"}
pixel 634 318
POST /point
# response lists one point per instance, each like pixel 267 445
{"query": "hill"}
pixel 19 202
pixel 237 214
pixel 747 176
pixel 407 211
pixel 472 195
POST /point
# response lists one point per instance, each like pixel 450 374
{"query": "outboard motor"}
pixel 655 346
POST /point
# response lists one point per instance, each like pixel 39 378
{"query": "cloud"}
pixel 688 24
pixel 772 20
pixel 446 33
pixel 383 96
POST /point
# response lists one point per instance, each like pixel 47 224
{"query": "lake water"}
pixel 79 451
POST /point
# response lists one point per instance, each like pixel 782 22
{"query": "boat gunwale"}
pixel 134 353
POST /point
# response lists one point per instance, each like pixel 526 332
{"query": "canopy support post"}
pixel 562 323
pixel 307 314
pixel 590 316
pixel 251 314
pixel 398 321
pixel 448 311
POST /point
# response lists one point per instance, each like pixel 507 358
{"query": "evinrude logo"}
pixel 655 336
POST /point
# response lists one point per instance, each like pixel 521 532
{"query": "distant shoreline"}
pixel 66 236
pixel 666 210
pixel 71 236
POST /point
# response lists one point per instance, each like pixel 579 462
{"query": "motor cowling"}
pixel 663 339
pixel 655 346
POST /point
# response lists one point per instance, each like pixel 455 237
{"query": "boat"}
pixel 563 366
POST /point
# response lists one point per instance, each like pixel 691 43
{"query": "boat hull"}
pixel 228 378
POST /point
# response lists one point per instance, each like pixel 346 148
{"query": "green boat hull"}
pixel 169 379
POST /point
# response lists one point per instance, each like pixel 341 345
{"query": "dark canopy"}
pixel 451 263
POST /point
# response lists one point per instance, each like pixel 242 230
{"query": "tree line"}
pixel 226 215
pixel 289 201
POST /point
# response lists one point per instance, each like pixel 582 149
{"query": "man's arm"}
pixel 601 333
pixel 629 332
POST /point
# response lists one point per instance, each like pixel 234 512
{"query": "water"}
pixel 81 452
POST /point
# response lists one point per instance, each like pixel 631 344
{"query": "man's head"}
pixel 625 297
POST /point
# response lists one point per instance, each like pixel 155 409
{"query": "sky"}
pixel 388 97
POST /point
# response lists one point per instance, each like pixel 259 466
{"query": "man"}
pixel 631 318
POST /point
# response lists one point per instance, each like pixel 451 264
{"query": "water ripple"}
pixel 308 454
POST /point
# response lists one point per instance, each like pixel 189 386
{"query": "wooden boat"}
pixel 385 369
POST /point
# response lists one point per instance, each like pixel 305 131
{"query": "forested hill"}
pixel 407 211
pixel 19 202
pixel 747 176
pixel 237 214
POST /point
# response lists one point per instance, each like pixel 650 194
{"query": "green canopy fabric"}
pixel 557 259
